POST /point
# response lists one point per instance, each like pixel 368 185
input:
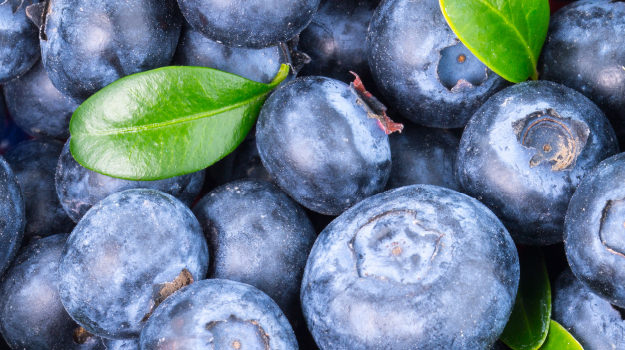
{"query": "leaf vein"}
pixel 183 120
pixel 516 31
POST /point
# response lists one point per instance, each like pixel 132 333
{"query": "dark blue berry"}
pixel 31 314
pixel 249 23
pixel 34 164
pixel 218 314
pixel 418 267
pixel 88 44
pixel 259 236
pixel 594 232
pixel 125 255
pixel 525 151
pixel 19 47
pixel 262 65
pixel 422 69
pixel 79 188
pixel 317 140
pixel 12 215
pixel 37 106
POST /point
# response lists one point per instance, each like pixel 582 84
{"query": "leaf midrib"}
pixel 183 120
pixel 516 31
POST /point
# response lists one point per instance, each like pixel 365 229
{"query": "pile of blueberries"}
pixel 320 231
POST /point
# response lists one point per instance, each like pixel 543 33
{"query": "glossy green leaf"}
pixel 560 339
pixel 166 122
pixel 528 325
pixel 506 35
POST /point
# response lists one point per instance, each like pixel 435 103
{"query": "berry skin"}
pixel 249 23
pixel 37 107
pixel 595 323
pixel 525 151
pixel 126 253
pixel 19 47
pixel 262 65
pixel 418 267
pixel 88 44
pixel 424 156
pixel 585 50
pixel 595 228
pixel 265 244
pixel 12 215
pixel 31 313
pixel 34 164
pixel 422 69
pixel 334 40
pixel 79 188
pixel 315 137
pixel 126 344
pixel 218 314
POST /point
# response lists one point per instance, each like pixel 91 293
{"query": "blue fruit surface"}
pixel 37 107
pixel 594 233
pixel 34 164
pixel 79 188
pixel 595 323
pixel 418 267
pixel 262 65
pixel 124 255
pixel 422 69
pixel 249 23
pixel 218 314
pixel 88 44
pixel 19 46
pixel 31 314
pixel 12 215
pixel 316 139
pixel 585 50
pixel 259 236
pixel 423 155
pixel 526 150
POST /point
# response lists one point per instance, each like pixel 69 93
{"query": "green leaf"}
pixel 166 122
pixel 506 35
pixel 560 339
pixel 528 325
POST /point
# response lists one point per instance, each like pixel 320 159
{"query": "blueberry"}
pixel 418 267
pixel 525 151
pixel 218 314
pixel 37 106
pixel 79 188
pixel 595 323
pixel 127 253
pixel 247 162
pixel 31 314
pixel 249 23
pixel 334 40
pixel 125 344
pixel 88 44
pixel 34 164
pixel 12 216
pixel 316 139
pixel 262 65
pixel 19 47
pixel 421 67
pixel 585 50
pixel 424 156
pixel 594 230
pixel 266 242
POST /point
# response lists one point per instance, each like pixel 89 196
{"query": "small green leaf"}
pixel 166 122
pixel 560 339
pixel 506 35
pixel 528 325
